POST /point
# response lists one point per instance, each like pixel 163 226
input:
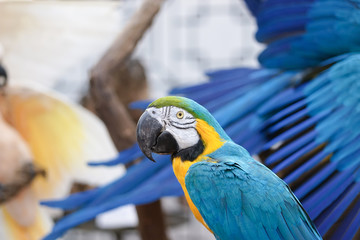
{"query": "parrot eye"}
pixel 180 114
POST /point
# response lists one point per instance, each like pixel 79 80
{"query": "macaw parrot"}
pixel 45 142
pixel 230 193
pixel 299 113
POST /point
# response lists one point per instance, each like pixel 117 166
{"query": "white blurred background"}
pixel 57 42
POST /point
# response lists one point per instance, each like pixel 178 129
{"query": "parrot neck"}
pixel 191 153
pixel 210 141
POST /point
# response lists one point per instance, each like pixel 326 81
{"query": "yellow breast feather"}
pixel 212 142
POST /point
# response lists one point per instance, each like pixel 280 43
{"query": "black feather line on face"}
pixel 178 123
pixel 190 153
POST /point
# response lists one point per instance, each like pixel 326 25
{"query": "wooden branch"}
pixel 152 224
pixel 127 40
pixel 107 105
pixel 106 80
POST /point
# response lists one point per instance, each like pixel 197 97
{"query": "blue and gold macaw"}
pixel 299 113
pixel 230 193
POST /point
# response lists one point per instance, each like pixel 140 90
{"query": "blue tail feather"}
pixel 315 181
pixel 336 213
pixel 285 112
pixel 316 203
pixel 353 228
pixel 142 105
pixel 310 164
pixel 143 194
pixel 292 158
pixel 306 139
pixel 124 157
pixel 280 100
pixel 296 129
pixel 287 121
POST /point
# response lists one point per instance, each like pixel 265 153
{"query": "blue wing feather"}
pixel 336 213
pixel 304 33
pixel 146 192
pixel 124 157
pixel 336 134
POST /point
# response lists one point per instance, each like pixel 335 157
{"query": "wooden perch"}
pixel 111 76
pixel 107 105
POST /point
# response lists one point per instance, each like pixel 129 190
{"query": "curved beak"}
pixel 152 137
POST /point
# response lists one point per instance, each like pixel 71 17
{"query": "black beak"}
pixel 152 138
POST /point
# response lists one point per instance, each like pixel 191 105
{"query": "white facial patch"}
pixel 180 123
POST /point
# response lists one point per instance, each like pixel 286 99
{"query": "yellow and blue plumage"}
pixel 304 124
pixel 233 195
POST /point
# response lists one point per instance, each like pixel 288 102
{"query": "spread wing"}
pixel 246 201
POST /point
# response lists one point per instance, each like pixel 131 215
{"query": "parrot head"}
pixel 177 126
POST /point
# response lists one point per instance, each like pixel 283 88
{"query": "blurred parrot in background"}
pixel 17 171
pixel 230 193
pixel 299 114
pixel 44 145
